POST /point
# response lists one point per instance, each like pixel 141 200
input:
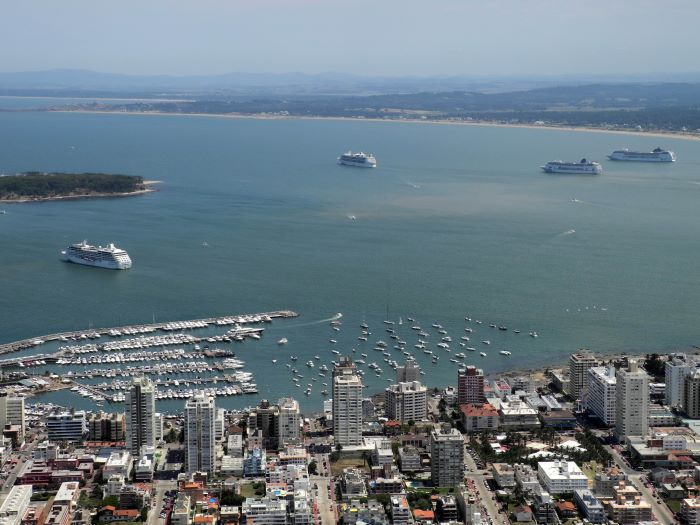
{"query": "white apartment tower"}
pixel 677 368
pixel 12 412
pixel 579 363
pixel 601 398
pixel 200 434
pixel 288 422
pixel 406 402
pixel 140 415
pixel 632 400
pixel 347 404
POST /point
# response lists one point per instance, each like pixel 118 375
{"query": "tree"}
pixel 313 467
pixel 144 514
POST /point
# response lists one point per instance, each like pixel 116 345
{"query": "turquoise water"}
pixel 456 221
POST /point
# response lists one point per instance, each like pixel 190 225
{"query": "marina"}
pixel 435 240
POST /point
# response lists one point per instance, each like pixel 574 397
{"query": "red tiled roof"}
pixel 423 514
pixel 476 410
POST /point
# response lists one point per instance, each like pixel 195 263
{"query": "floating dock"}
pixel 34 342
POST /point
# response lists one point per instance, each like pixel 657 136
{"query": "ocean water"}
pixel 254 215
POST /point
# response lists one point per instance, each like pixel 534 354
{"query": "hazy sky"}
pixel 377 37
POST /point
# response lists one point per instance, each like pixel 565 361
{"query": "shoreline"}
pixel 441 122
pixel 76 197
pixel 86 195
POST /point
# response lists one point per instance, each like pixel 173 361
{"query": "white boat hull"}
pixel 357 165
pixel 628 158
pixel 109 265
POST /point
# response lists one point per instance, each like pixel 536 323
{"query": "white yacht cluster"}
pixel 175 354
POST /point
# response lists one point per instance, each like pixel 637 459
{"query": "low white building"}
pixel 15 505
pixel 118 464
pixel 558 477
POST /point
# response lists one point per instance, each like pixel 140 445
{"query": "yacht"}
pixel 109 257
pixel 360 160
pixel 582 167
pixel 283 341
pixel 656 155
pixel 504 352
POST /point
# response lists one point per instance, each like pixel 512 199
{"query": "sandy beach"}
pixel 444 122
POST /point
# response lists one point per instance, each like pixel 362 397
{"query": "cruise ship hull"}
pixel 109 265
pixel 357 164
pixel 572 171
pixel 625 158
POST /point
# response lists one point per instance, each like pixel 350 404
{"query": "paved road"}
pixel 485 495
pixel 161 487
pixel 326 507
pixel 661 511
pixel 24 456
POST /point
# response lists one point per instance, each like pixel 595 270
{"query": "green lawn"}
pixel 247 490
pixel 674 505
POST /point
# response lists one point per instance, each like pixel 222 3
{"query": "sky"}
pixel 366 37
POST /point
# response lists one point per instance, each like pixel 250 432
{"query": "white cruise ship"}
pixel 361 160
pixel 109 257
pixel 656 155
pixel 558 166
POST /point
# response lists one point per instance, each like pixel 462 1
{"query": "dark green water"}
pixel 456 221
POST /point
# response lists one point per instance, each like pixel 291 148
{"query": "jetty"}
pixel 169 326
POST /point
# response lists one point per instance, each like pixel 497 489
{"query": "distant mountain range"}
pixel 72 82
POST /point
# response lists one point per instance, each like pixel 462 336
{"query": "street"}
pixel 661 512
pixel 485 495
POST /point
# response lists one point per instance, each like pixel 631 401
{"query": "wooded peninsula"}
pixel 35 186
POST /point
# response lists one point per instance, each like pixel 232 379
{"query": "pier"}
pixel 168 326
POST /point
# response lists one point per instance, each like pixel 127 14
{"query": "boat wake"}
pixel 320 321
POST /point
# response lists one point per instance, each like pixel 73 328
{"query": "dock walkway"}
pixel 34 342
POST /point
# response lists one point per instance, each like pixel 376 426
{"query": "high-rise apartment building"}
pixel 288 429
pixel 406 402
pixel 632 400
pixel 470 385
pixel 579 363
pixel 601 398
pixel 140 413
pixel 676 369
pixel 691 395
pixel 200 433
pixel 347 404
pixel 446 457
pixel 12 412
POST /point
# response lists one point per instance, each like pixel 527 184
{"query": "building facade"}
pixel 288 430
pixel 579 363
pixel 406 402
pixel 140 410
pixel 347 404
pixel 12 412
pixel 632 400
pixel 470 385
pixel 200 438
pixel 676 369
pixel 446 457
pixel 601 398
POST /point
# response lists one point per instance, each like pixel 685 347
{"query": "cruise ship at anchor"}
pixel 361 160
pixel 656 155
pixel 583 167
pixel 109 257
